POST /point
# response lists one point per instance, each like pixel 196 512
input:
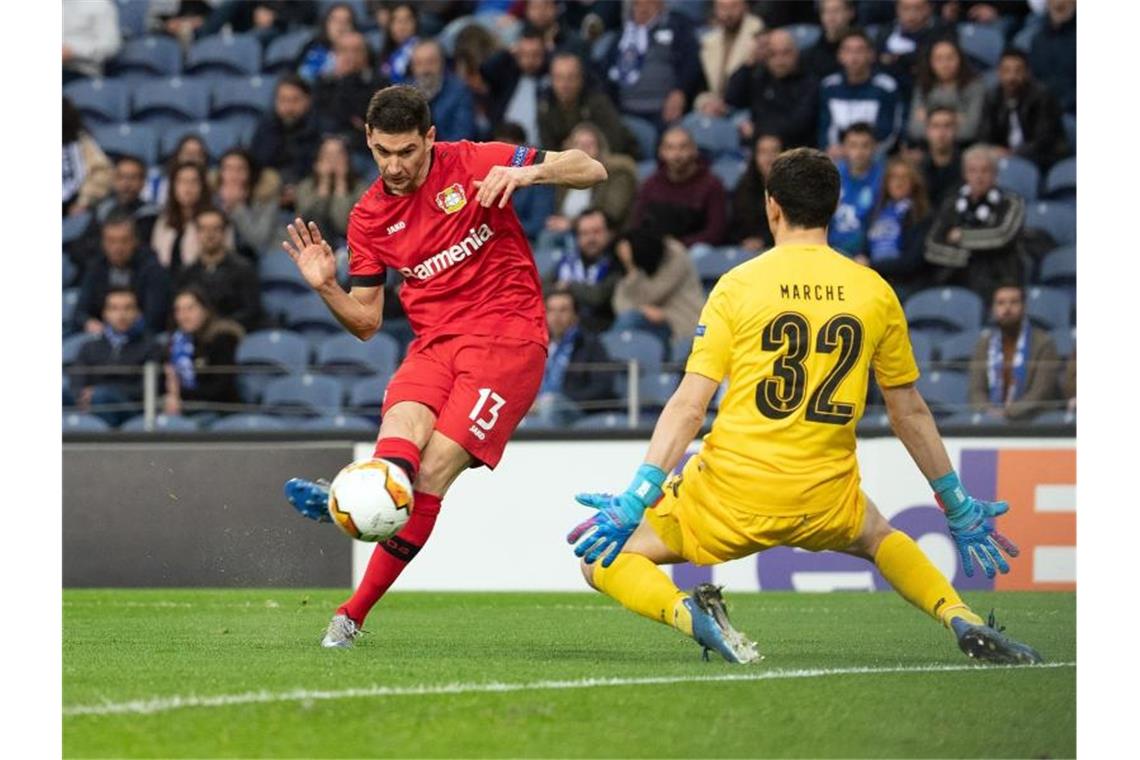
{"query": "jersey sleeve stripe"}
pixel 366 280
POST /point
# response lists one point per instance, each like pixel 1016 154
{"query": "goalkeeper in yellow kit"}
pixel 794 331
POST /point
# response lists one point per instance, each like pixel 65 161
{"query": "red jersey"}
pixel 467 269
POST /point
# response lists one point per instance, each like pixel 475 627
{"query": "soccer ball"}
pixel 370 500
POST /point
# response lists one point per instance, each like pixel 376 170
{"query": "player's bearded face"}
pixel 403 158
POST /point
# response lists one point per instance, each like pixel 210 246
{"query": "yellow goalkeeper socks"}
pixel 641 586
pixel 916 578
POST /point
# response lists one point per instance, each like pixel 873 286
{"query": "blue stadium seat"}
pixel 1057 219
pixel 1019 175
pixel 922 344
pixel 1069 122
pixel 219 136
pixel 307 313
pixel 645 133
pixel 74 226
pixel 714 136
pixel 302 395
pixel 948 309
pixel 717 261
pixel 1023 40
pixel 679 351
pixel 805 35
pixel 101 101
pixel 946 392
pixel 1065 339
pixel 366 395
pixel 955 351
pixel 225 54
pixel 345 353
pixel 604 421
pixel 78 422
pixel 152 56
pixel 1056 417
pixel 246 423
pixel 284 52
pixel 341 423
pixel 166 103
pixel 1061 182
pixel 70 300
pixel 981 42
pixel 168 423
pixel 137 140
pixel 729 170
pixel 1059 267
pixel 655 390
pixel 278 272
pixel 545 259
pixel 72 344
pixel 635 344
pixel 132 17
pixel 970 419
pixel 279 351
pixel 1049 308
pixel 274 303
pixel 252 96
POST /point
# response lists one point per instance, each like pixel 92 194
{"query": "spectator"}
pixel 474 46
pixel 565 382
pixel 201 341
pixel 265 19
pixel 683 198
pixel 654 70
pixel 319 59
pixel 902 44
pixel 123 343
pixel 592 17
pixel 229 280
pixel 533 204
pixel 1053 53
pixel 181 19
pixel 728 45
pixel 123 264
pixel 1013 373
pixel 90 36
pixel 856 94
pixel 248 196
pixel 942 162
pixel 976 235
pixel 86 169
pixel 782 99
pixel 946 79
pixel 568 103
pixel 517 76
pixel 287 138
pixel 542 16
pixel 896 234
pixel 191 149
pixel 589 271
pixel 127 188
pixel 399 42
pixel 749 227
pixel 660 291
pixel 452 107
pixel 614 196
pixel 341 97
pixel 174 238
pixel 821 59
pixel 860 183
pixel 328 194
pixel 1021 116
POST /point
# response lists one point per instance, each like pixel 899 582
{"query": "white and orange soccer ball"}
pixel 371 499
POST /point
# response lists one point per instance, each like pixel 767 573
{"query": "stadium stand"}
pixel 1019 175
pixel 305 394
pixel 949 309
pixel 101 101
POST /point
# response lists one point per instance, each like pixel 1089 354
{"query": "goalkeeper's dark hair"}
pixel 805 183
pixel 398 109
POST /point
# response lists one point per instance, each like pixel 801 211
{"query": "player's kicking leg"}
pixel 917 580
pixel 635 580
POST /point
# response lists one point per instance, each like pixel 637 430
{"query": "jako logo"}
pixel 396 228
pixel 451 256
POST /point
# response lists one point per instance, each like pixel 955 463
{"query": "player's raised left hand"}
pixel 500 183
pixel 312 253
pixel 617 517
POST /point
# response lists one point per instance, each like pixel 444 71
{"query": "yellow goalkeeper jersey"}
pixel 795 331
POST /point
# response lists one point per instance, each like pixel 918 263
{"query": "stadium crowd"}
pixel 194 129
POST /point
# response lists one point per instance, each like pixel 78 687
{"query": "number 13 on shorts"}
pixel 492 414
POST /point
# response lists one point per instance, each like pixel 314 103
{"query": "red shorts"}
pixel 479 386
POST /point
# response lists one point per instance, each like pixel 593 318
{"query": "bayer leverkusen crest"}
pixel 451 199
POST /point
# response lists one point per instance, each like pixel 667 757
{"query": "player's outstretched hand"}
pixel 971 523
pixel 502 181
pixel 607 531
pixel 311 252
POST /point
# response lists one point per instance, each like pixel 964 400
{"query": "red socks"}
pixel 401 452
pixel 390 557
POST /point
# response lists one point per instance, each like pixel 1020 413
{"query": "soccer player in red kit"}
pixel 439 215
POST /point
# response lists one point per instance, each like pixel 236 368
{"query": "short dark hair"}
pixel 561 291
pixel 1012 52
pixel 855 31
pixel 398 109
pixel 858 128
pixel 940 109
pixel 293 80
pixel 805 183
pixel 509 131
pixel 119 215
pixel 590 211
pixel 216 212
pixel 198 293
pixel 120 291
pixel 1008 284
pixel 531 32
pixel 127 159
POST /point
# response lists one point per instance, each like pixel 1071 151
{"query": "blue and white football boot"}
pixel 713 631
pixel 989 643
pixel 309 497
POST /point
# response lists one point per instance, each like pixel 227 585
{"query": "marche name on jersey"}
pixel 449 257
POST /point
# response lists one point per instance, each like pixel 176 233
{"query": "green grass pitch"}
pixel 421 679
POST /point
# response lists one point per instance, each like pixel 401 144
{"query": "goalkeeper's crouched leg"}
pixel 635 582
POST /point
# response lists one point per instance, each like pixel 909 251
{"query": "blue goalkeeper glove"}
pixel 972 526
pixel 617 516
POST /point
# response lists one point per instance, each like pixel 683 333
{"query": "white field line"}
pixel 166 704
